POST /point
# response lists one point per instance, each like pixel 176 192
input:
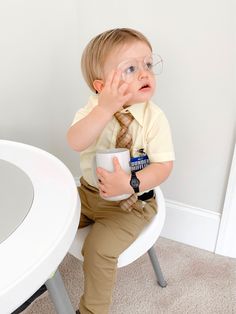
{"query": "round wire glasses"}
pixel 130 67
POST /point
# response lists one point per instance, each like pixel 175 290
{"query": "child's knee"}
pixel 95 250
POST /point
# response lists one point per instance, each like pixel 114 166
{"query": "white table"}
pixel 39 215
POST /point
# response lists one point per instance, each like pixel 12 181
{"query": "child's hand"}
pixel 113 95
pixel 113 183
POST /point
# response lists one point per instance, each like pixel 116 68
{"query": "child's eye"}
pixel 130 70
pixel 149 65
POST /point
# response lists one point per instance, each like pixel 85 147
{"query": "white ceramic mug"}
pixel 104 159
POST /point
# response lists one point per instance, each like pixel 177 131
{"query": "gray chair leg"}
pixel 156 267
pixel 59 294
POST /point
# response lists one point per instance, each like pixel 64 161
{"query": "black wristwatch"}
pixel 134 182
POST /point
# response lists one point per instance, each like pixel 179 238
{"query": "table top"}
pixel 35 244
pixel 13 210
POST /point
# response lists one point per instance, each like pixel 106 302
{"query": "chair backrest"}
pixel 140 246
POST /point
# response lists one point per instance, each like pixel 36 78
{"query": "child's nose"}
pixel 143 73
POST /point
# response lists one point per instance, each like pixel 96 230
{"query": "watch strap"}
pixel 134 182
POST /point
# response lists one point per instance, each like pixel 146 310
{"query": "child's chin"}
pixel 144 98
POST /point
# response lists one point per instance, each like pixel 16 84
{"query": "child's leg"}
pixel 113 231
pixel 84 221
pixel 85 216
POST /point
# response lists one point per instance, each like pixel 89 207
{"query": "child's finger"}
pixel 123 87
pixel 110 77
pixel 116 79
pixel 116 164
pixel 101 173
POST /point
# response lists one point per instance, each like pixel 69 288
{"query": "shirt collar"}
pixel 137 110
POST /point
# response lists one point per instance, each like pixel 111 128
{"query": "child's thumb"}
pixel 116 164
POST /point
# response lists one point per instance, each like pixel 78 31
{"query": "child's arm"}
pixel 117 182
pixel 84 132
pixel 111 99
pixel 154 174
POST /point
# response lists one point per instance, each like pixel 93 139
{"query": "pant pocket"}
pixel 145 209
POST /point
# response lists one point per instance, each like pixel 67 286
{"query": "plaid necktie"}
pixel 124 140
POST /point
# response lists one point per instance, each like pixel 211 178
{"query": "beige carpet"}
pixel 198 282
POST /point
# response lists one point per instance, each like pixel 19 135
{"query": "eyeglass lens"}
pixel 130 67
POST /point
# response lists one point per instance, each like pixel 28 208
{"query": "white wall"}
pixel 39 65
pixel 41 83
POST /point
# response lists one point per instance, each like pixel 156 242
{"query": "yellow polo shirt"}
pixel 150 130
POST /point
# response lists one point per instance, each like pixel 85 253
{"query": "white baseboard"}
pixel 227 232
pixel 191 225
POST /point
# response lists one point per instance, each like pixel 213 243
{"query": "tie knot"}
pixel 124 119
pixel 124 139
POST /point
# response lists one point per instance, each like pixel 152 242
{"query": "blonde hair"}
pixel 98 49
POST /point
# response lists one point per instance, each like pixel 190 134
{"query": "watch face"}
pixel 134 182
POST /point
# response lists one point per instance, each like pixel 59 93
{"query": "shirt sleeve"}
pixel 159 140
pixel 84 111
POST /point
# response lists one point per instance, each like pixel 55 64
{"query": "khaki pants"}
pixel 113 230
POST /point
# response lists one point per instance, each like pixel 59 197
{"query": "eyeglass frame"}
pixel 145 65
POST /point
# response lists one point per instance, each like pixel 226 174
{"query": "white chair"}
pixel 144 243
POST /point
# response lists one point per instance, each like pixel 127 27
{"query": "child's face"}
pixel 135 64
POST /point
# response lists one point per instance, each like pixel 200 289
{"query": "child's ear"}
pixel 98 85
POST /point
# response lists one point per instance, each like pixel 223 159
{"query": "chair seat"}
pixel 140 246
